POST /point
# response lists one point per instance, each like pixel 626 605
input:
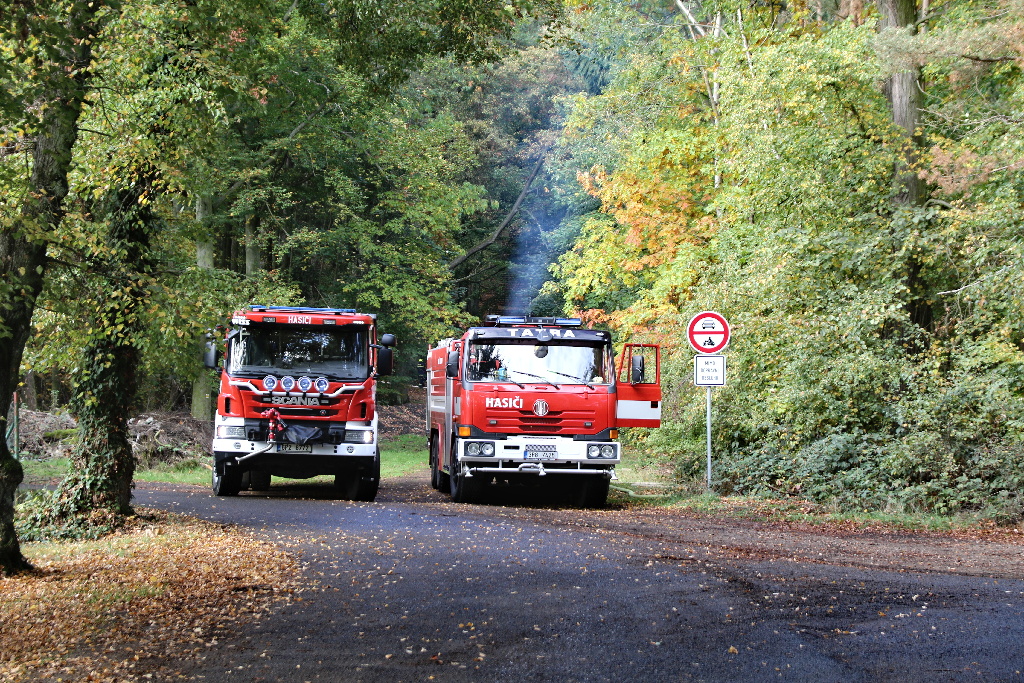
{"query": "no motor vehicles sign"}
pixel 708 332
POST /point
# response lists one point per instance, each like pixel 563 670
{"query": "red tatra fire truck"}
pixel 297 399
pixel 528 397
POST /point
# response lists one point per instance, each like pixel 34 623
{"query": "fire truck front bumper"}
pixel 539 456
pixel 242 448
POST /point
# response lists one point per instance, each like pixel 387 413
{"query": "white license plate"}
pixel 293 448
pixel 540 455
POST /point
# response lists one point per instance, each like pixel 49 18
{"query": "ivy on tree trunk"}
pixel 59 54
pixel 103 464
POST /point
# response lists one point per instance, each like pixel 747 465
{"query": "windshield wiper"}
pixel 530 374
pixel 579 379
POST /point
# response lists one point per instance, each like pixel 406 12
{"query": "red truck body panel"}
pixel 529 397
pixel 298 399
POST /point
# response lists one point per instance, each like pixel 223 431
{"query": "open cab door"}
pixel 638 386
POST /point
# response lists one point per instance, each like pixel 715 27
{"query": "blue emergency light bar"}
pixel 300 309
pixel 531 320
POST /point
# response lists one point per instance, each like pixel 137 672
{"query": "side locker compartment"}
pixel 638 386
pixel 453 364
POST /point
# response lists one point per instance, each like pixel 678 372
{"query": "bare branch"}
pixel 508 217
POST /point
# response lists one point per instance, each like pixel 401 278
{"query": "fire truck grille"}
pixel 540 420
pixel 541 429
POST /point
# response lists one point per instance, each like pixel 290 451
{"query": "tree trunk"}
pixel 103 464
pixel 252 249
pixel 903 91
pixel 202 387
pixel 23 242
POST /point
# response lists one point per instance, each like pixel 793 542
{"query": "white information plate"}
pixel 709 370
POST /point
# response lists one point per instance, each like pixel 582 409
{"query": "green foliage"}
pixel 877 348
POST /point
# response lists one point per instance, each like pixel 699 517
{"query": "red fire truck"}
pixel 297 399
pixel 526 397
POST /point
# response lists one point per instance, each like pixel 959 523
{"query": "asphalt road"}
pixel 414 588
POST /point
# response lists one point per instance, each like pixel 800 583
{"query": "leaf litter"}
pixel 164 589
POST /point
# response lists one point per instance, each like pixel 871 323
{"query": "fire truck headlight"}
pixel 602 450
pixel 230 432
pixel 367 436
pixel 472 448
pixel 487 448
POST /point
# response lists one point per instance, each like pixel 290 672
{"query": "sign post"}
pixel 708 333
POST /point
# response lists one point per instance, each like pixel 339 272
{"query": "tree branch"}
pixel 508 218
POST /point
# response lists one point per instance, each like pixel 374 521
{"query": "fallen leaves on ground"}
pixel 126 607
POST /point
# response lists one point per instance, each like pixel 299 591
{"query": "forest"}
pixel 841 180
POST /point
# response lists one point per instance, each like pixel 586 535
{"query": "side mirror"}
pixel 637 370
pixel 210 355
pixel 452 368
pixel 385 361
pixel 388 340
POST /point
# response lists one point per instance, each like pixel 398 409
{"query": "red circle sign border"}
pixel 693 322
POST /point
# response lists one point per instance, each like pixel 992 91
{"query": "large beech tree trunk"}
pixel 903 91
pixel 23 243
pixel 103 464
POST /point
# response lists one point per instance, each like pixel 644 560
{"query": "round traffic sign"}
pixel 708 332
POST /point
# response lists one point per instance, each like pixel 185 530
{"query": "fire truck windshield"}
pixel 336 353
pixel 552 363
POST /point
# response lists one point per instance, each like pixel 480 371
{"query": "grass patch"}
pixel 39 472
pixel 403 455
pixel 399 457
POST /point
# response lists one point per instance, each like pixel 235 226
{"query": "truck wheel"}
pixel 361 485
pixel 438 479
pixel 463 489
pixel 227 484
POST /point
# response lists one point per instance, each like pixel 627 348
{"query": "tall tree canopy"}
pixel 141 140
pixel 834 185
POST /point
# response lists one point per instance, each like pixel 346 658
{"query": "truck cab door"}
pixel 638 386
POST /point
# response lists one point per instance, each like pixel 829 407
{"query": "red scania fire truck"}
pixel 527 397
pixel 297 399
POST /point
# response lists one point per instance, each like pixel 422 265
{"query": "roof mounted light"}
pixel 499 320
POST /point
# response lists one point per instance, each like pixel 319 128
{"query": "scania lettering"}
pixel 524 398
pixel 298 399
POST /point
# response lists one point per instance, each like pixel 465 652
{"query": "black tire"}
pixel 463 489
pixel 361 485
pixel 438 479
pixel 227 484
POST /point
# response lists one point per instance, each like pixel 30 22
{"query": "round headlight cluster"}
pixel 485 448
pixel 304 384
pixel 596 450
